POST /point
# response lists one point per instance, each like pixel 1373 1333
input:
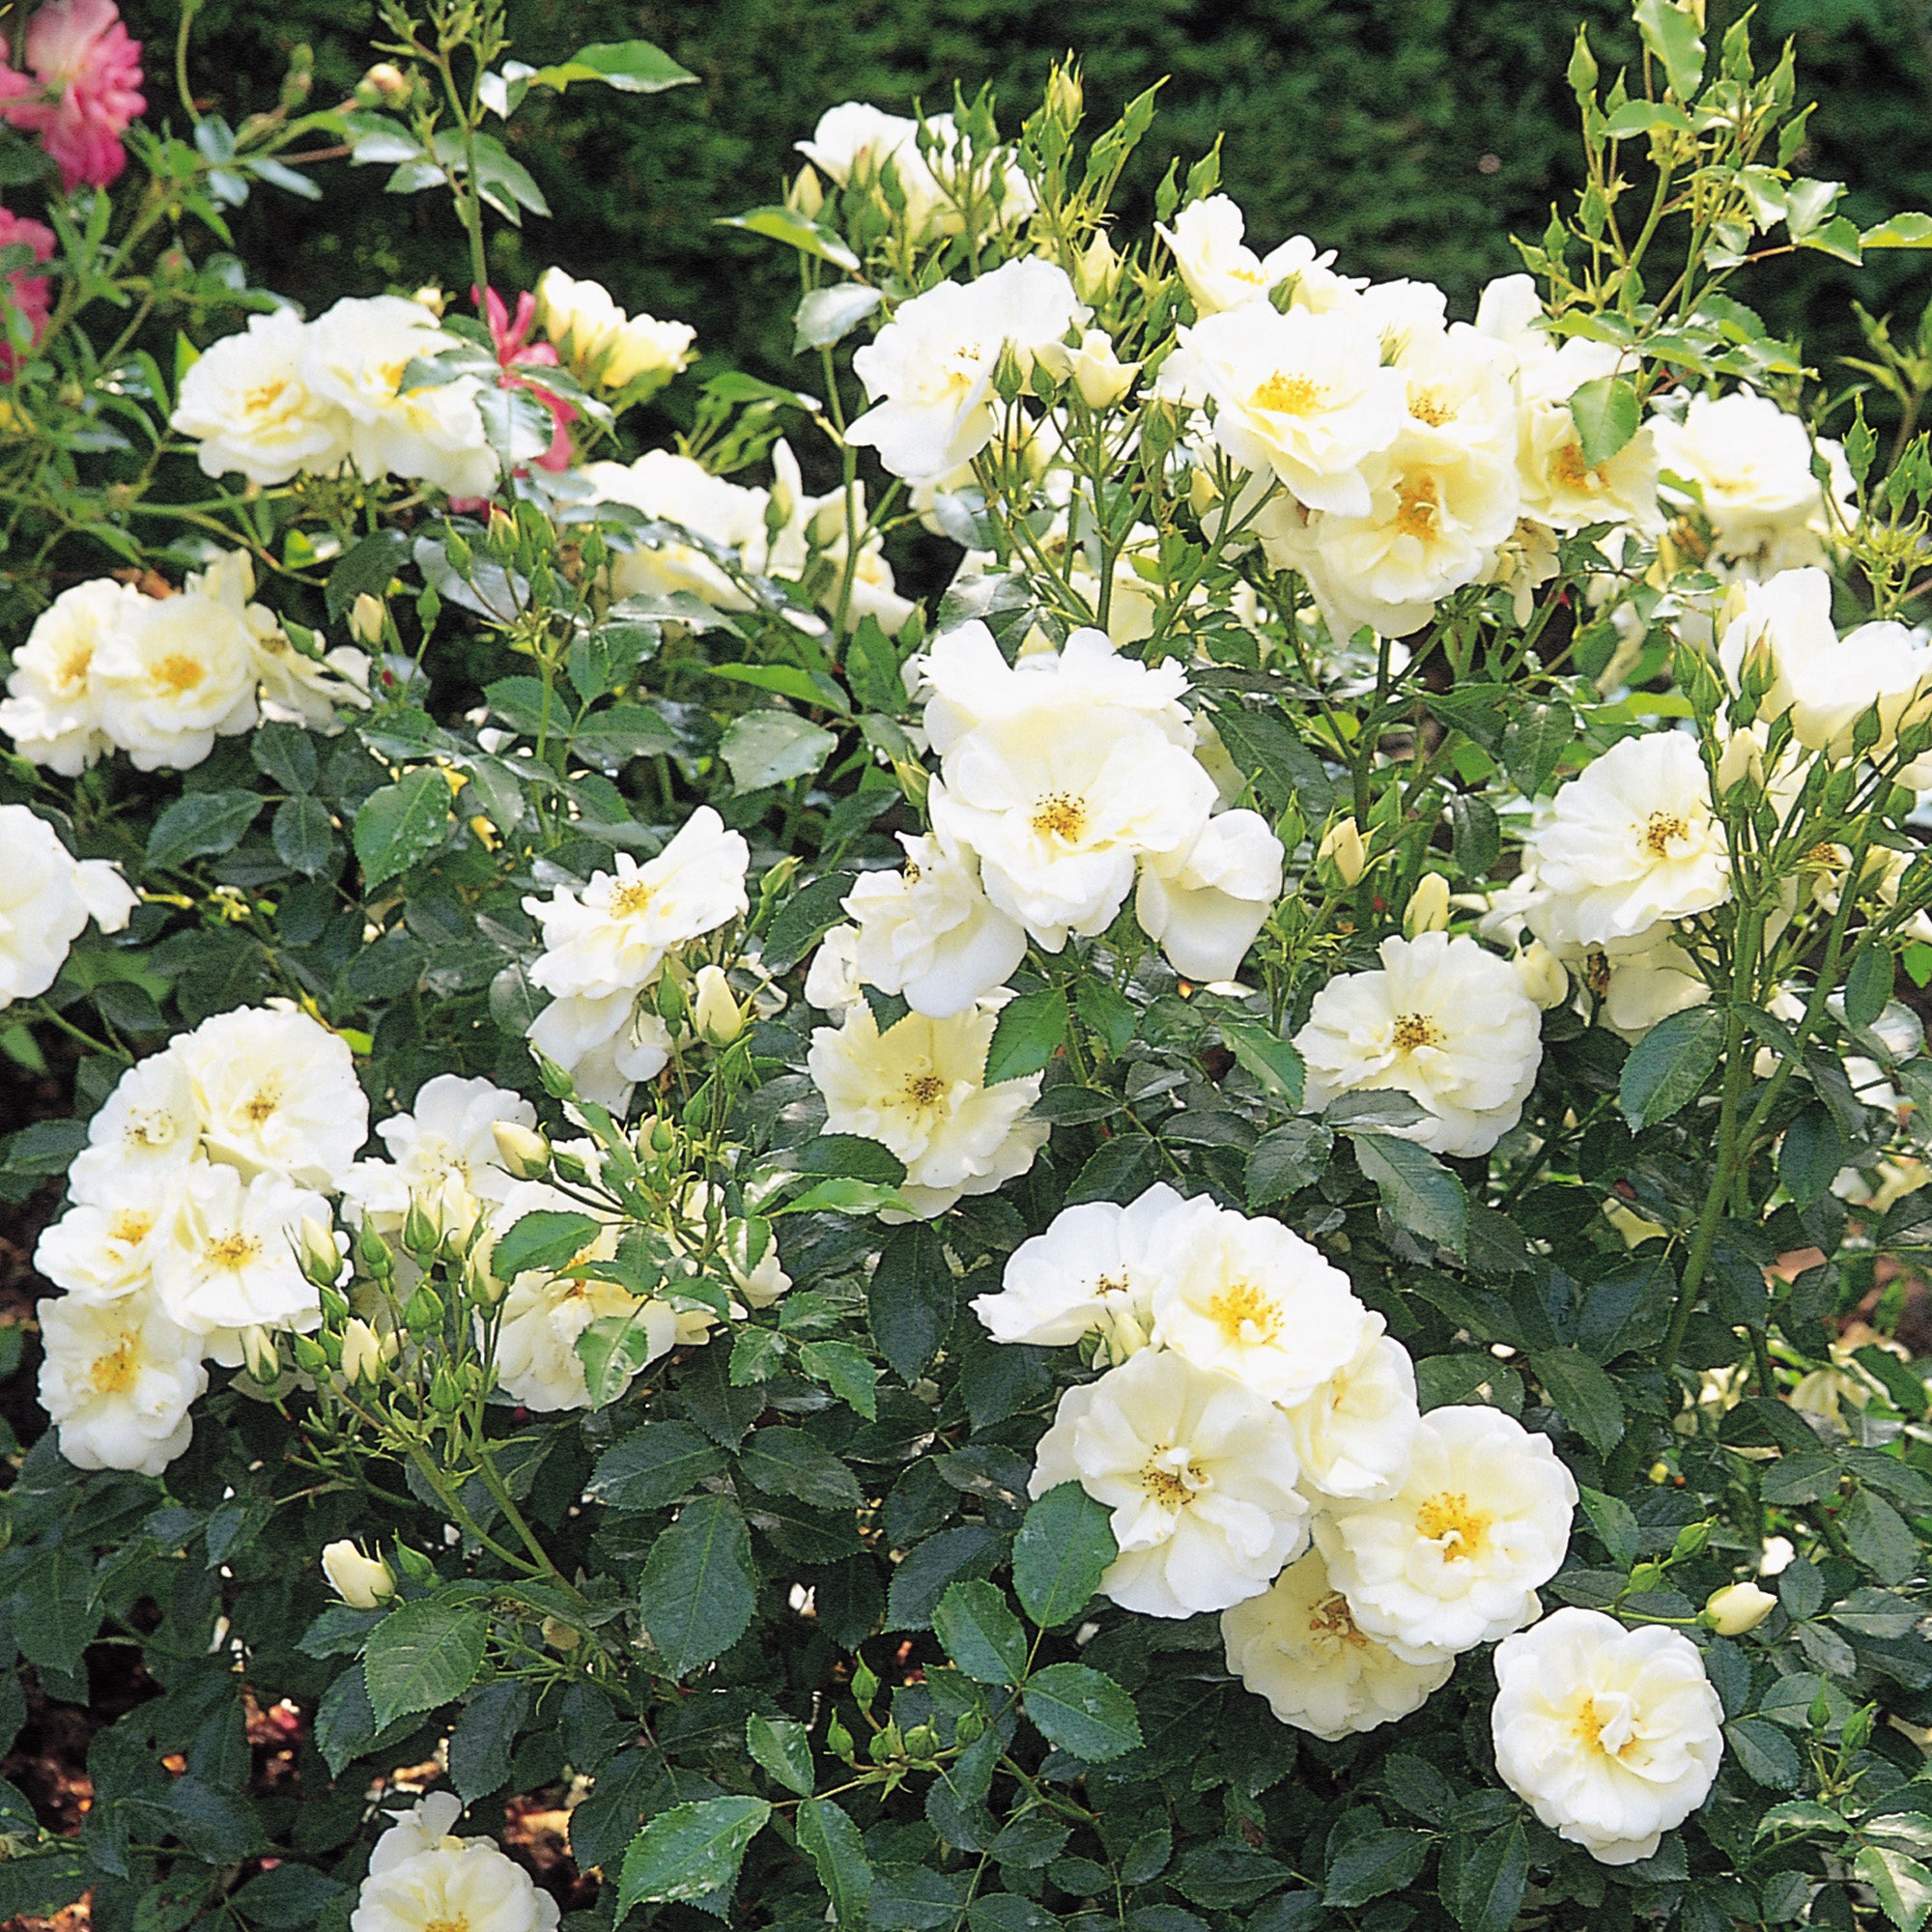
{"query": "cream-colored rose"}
pixel 592 333
pixel 118 1378
pixel 1353 1434
pixel 230 1258
pixel 1220 270
pixel 672 489
pixel 52 711
pixel 145 1132
pixel 1612 1735
pixel 46 897
pixel 245 402
pixel 929 932
pixel 1298 1645
pixel 462 1882
pixel 1198 1473
pixel 173 675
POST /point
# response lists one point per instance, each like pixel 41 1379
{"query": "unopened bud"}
pixel 422 1313
pixel 837 1739
pixel 320 1258
pixel 503 529
pixel 458 1211
pixel 524 1154
pixel 261 1355
pixel 1427 908
pixel 921 1743
pixel 365 619
pixel 1342 847
pixel 1098 271
pixel 361 1352
pixel 445 1393
pixel 1122 1334
pixel 1202 493
pixel 310 1355
pixel 664 1137
pixel 362 1581
pixel 388 83
pixel 1542 975
pixel 1741 759
pixel 1738 1608
pixel 1066 99
pixel 479 1280
pixel 715 1008
pixel 373 1251
pixel 420 1230
pixel 805 195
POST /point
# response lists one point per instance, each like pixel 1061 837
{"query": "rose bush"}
pixel 1213 1235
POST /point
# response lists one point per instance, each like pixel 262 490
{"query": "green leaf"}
pixel 1286 1161
pixel 1586 1396
pixel 982 1636
pixel 788 1463
pixel 1493 1881
pixel 546 1240
pixel 1766 1755
pixel 1904 1887
pixel 1615 1525
pixel 911 1299
pixel 1120 1170
pixel 1081 1710
pixel 610 738
pixel 783 224
pixel 1027 1035
pixel 689 1851
pixel 803 919
pixel 1878 1537
pixel 1064 1544
pixel 202 823
pixel 1669 1066
pixel 1534 740
pixel 1908 230
pixel 1477 835
pixel 1908 1391
pixel 423 1654
pixel 768 748
pixel 1670 36
pixel 1374 1863
pixel 304 835
pixel 971 1550
pixel 830 1839
pixel 286 753
pixel 479 1747
pixel 849 1154
pixel 653 1466
pixel 1273 1061
pixel 364 569
pixel 400 824
pixel 784 1748
pixel 699 1589
pixel 1868 984
pixel 1605 412
pixel 847 1371
pixel 1811 1155
pixel 631 67
pixel 1419 1193
pixel 1286 772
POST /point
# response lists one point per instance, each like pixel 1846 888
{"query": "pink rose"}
pixel 86 88
pixel 24 292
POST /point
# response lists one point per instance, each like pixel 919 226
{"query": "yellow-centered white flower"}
pixel 1612 1735
pixel 673 489
pixel 454 1882
pixel 1220 270
pixel 929 932
pixel 1096 1263
pixel 46 897
pixel 920 1090
pixel 118 1378
pixel 176 673
pixel 1632 840
pixel 591 332
pixel 246 403
pixel 1443 1021
pixel 1244 1298
pixel 448 1134
pixel 1298 1645
pixel 929 371
pixel 606 1044
pixel 1198 1473
pixel 613 935
pixel 147 1130
pixel 230 1263
pixel 1454 1557
pixel 52 711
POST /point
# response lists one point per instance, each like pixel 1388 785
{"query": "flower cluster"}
pixel 184 1237
pixel 83 90
pixel 109 667
pixel 606 945
pixel 285 398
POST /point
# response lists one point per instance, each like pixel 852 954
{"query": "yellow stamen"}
pixel 131 1225
pixel 114 1374
pixel 179 672
pixel 1417 508
pixel 924 1088
pixel 1663 831
pixel 1416 1029
pixel 631 898
pixel 1060 815
pixel 1330 1618
pixel 1448 1520
pixel 1288 395
pixel 234 1251
pixel 1429 409
pixel 1245 1313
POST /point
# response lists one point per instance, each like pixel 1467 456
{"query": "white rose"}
pixel 448 1133
pixel 1060 805
pixel 1825 682
pixel 854 142
pixel 1454 1558
pixel 1612 1735
pixel 1302 397
pixel 1751 466
pixel 1096 1262
pixel 429 1825
pixel 230 1258
pixel 1093 368
pixel 1203 908
pixel 664 486
pixel 929 371
pixel 103 1251
pixel 1246 1299
pixel 920 1090
pixel 52 710
pixel 1297 1646
pixel 1219 270
pixel 613 936
pixel 588 327
pixel 46 897
pixel 118 1378
pixel 145 1132
pixel 244 401
pixel 605 1045
pixel 357 356
pixel 1632 840
pixel 474 1887
pixel 363 1582
pixel 1353 1434
pixel 176 673
pixel 1444 1022
pixel 832 980
pixel 1198 1473
pixel 929 932
pixel 278 1093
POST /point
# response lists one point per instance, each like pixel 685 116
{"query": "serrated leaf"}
pixel 1670 35
pixel 1286 1161
pixel 1768 1757
pixel 1064 1545
pixel 982 1636
pixel 1273 1061
pixel 1493 1881
pixel 828 315
pixel 546 1240
pixel 911 1299
pixel 1374 1863
pixel 788 1463
pixel 795 231
pixel 1584 1394
pixel 400 824
pixel 302 835
pixel 1419 1193
pixel 784 1747
pixel 631 67
pixel 847 1371
pixel 1028 1032
pixel 1616 1526
pixel 421 1656
pixel 830 1839
pixel 699 1587
pixel 1081 1710
pixel 1605 409
pixel 1669 1066
pixel 689 1851
pixel 1904 1886
pixel 200 824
